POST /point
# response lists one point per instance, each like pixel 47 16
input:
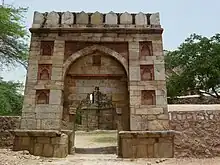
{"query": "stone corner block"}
pixel 155 19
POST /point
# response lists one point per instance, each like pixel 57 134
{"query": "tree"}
pixel 13 50
pixel 13 36
pixel 194 67
pixel 10 97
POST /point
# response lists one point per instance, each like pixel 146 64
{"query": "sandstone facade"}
pixel 71 53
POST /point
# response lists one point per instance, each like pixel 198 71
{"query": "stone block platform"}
pixel 47 143
pixel 146 144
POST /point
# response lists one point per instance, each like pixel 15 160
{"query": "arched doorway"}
pixel 90 70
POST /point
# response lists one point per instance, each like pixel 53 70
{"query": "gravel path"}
pixel 7 157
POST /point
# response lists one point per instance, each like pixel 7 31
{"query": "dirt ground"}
pixel 92 140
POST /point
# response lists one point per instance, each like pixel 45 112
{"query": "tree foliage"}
pixel 194 67
pixel 13 36
pixel 10 97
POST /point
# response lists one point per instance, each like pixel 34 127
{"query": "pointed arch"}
pixel 91 49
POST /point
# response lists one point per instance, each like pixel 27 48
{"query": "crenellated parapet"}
pixel 72 19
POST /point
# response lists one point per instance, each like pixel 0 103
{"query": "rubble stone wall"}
pixel 8 123
pixel 199 133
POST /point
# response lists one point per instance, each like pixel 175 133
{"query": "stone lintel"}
pixel 98 30
pixel 142 134
pixel 43 133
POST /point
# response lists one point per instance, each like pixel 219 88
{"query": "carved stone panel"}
pixel 47 48
pixel 145 49
pixel 44 71
pixel 147 72
pixel 148 97
pixel 42 96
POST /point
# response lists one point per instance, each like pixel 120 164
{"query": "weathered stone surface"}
pixel 111 18
pixel 161 100
pixel 134 74
pixel 149 111
pixel 126 18
pixel 163 150
pixel 97 18
pixel 135 123
pixel 135 100
pixel 63 139
pixel 27 123
pixel 82 18
pixel 138 122
pixel 60 151
pixel 49 108
pixel 56 97
pixel 158 125
pixel 43 140
pixel 144 144
pixel 134 55
pixel 57 73
pixel 47 150
pixel 41 144
pixel 140 19
pixel 155 19
pixel 67 19
pixel 52 19
pixel 48 124
pixel 159 72
pixel 7 124
pixel 38 20
pixel 38 149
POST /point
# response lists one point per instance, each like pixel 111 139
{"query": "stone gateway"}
pixel 103 69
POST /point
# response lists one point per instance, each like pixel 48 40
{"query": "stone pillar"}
pixel 145 116
pixel 50 115
pixel 40 132
pixel 134 79
pixel 28 120
pixel 149 135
